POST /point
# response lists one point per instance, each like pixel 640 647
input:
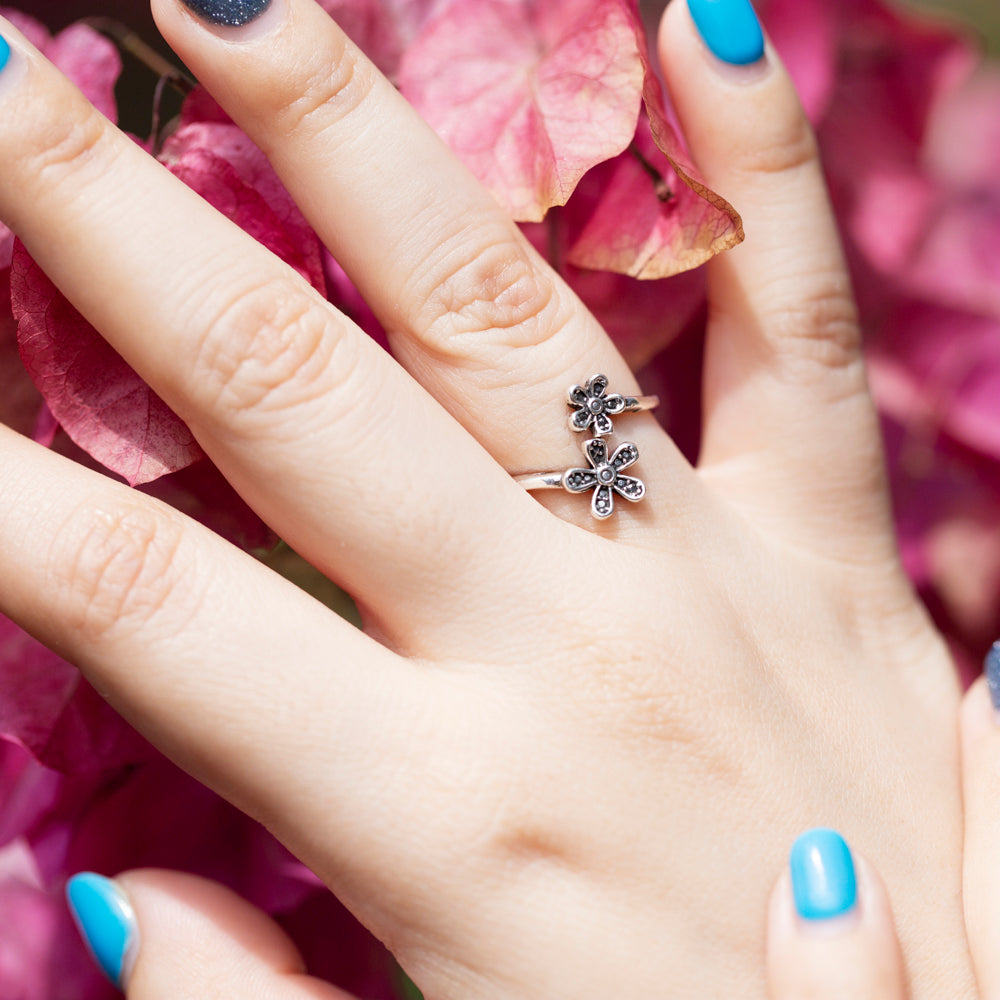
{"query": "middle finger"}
pixel 472 309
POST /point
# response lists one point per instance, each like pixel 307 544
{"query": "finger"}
pixel 981 793
pixel 473 310
pixel 326 437
pixel 161 934
pixel 245 681
pixel 787 410
pixel 830 932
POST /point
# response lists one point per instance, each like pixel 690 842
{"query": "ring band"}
pixel 636 404
pixel 541 480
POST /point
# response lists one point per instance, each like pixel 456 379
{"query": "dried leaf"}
pixel 648 228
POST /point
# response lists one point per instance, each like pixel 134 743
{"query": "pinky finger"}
pixel 830 933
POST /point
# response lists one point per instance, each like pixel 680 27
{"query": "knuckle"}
pixel 820 328
pixel 786 149
pixel 328 92
pixel 64 150
pixel 116 566
pixel 493 289
pixel 267 351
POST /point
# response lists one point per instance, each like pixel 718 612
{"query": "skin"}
pixel 564 757
pixel 856 956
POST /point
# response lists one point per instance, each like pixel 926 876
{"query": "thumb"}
pixel 160 933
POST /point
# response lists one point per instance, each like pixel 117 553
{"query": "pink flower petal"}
pixel 20 401
pixel 104 406
pixel 51 711
pixel 191 153
pixel 650 228
pixel 529 95
pixel 382 29
pixel 92 62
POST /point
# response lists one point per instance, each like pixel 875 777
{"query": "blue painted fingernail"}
pixel 105 920
pixel 730 29
pixel 991 667
pixel 231 13
pixel 4 52
pixel 823 881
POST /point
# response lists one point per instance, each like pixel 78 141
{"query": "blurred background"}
pixel 983 15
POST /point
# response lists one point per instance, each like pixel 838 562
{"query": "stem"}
pixel 158 127
pixel 660 186
pixel 128 41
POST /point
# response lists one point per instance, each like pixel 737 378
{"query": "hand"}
pixel 565 756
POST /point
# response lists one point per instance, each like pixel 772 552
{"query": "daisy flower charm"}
pixel 592 408
pixel 604 476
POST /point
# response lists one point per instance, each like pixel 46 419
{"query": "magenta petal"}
pixel 529 95
pixel 653 229
pixel 92 62
pixel 250 192
pixel 104 406
pixel 50 710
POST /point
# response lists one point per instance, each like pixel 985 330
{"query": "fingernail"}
pixel 106 921
pixel 730 29
pixel 991 667
pixel 230 13
pixel 4 52
pixel 823 881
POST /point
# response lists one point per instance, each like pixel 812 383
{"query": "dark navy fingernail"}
pixel 991 667
pixel 823 881
pixel 4 52
pixel 106 921
pixel 231 13
pixel 730 29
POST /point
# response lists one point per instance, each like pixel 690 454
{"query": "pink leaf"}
pixel 104 406
pixel 382 29
pixel 247 190
pixel 653 227
pixel 51 711
pixel 645 228
pixel 92 62
pixel 529 95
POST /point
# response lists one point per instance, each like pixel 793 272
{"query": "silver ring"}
pixel 593 407
pixel 604 477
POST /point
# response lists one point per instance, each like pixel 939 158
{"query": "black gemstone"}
pixel 232 13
